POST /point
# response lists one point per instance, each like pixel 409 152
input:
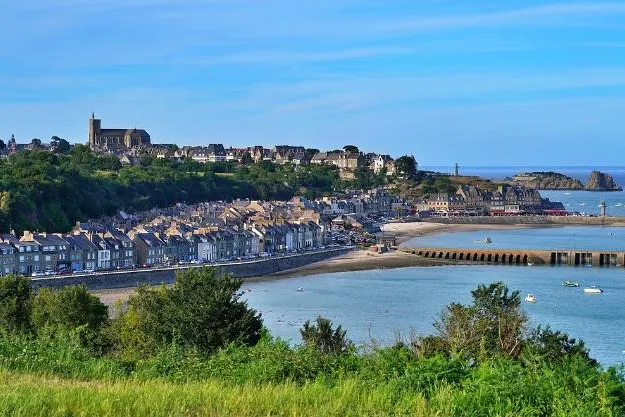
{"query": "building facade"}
pixel 115 139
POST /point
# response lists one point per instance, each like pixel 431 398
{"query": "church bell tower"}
pixel 94 131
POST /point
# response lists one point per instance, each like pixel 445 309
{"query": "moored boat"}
pixel 530 298
pixel 569 283
pixel 486 240
pixel 593 290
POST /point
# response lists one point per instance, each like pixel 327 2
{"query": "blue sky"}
pixel 489 82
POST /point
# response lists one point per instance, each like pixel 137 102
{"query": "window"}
pixel 21 258
pixel 36 258
pixel 48 258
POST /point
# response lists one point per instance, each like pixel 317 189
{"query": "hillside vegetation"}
pixel 44 191
pixel 197 349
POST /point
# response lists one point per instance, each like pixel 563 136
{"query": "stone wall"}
pixel 157 276
pixel 522 256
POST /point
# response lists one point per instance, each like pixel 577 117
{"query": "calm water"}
pixel 567 237
pixel 378 304
pixel 575 201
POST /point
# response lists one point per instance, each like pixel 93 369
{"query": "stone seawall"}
pixel 530 220
pixel 124 279
pixel 523 256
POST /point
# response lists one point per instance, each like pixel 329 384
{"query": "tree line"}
pixel 46 191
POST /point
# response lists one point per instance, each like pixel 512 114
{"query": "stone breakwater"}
pixel 603 258
pixel 156 276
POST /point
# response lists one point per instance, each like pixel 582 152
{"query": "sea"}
pixel 382 306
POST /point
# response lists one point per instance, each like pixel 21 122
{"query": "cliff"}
pixel 598 181
pixel 547 181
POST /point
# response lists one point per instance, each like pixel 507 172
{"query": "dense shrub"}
pixel 15 303
pixel 67 309
pixel 200 311
pixel 322 337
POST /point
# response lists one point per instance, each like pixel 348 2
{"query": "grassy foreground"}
pixel 32 395
pixel 196 349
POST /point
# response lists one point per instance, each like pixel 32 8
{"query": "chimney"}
pixel 27 235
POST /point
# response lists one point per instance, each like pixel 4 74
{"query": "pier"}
pixel 600 258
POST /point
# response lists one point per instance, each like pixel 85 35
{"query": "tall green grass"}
pixel 55 376
pixel 32 395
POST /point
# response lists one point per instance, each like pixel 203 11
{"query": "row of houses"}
pixel 280 154
pixel 90 247
pixel 53 252
pixel 505 200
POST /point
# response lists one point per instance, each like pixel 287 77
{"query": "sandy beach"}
pixel 357 260
pixel 405 231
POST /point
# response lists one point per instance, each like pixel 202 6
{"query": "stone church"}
pixel 115 139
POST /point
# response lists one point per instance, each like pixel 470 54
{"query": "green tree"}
pixel 246 159
pixel 492 325
pixel 200 311
pixel 68 308
pixel 323 338
pixel 351 149
pixel 15 303
pixel 36 143
pixel 554 346
pixel 2 144
pixel 406 166
pixel 59 145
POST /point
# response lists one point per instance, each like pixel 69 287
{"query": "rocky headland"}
pixel 597 181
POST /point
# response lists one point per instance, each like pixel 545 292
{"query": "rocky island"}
pixel 598 181
pixel 547 181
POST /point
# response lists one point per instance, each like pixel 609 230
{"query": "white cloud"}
pixel 522 16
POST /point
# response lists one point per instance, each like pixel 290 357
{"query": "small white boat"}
pixel 300 289
pixel 530 264
pixel 567 193
pixel 592 290
pixel 486 240
pixel 530 298
pixel 618 204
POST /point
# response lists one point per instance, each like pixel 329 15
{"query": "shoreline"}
pixel 405 231
pixel 363 260
pixel 356 260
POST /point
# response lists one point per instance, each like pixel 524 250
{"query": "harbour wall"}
pixel 523 257
pixel 530 220
pixel 156 276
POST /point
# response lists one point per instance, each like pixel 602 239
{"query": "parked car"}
pixel 38 274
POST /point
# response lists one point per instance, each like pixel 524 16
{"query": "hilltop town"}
pixel 155 204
